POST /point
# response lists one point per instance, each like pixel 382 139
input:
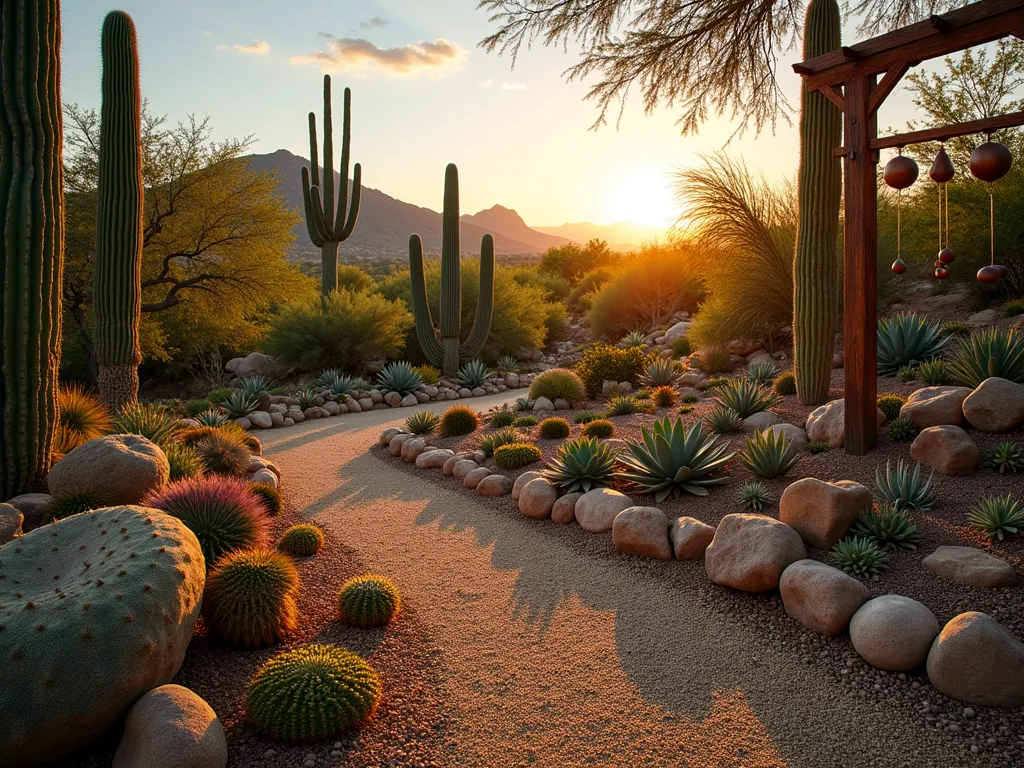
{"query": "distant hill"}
pixel 622 236
pixel 511 224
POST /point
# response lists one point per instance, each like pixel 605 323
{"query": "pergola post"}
pixel 860 265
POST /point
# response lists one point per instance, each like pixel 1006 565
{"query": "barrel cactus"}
pixel 816 266
pixel 252 597
pixel 312 694
pixel 302 540
pixel 96 610
pixel 32 253
pixel 443 346
pixel 368 601
pixel 328 226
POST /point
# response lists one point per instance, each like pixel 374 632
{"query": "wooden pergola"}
pixel 849 77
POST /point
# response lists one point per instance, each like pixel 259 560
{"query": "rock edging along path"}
pixel 553 657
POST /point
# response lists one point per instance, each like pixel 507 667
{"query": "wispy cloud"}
pixel 357 55
pixel 207 33
pixel 256 47
pixel 375 23
pixel 513 87
pixel 487 83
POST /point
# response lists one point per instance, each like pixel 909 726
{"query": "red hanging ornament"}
pixel 900 172
pixel 1001 270
pixel 988 274
pixel 942 169
pixel 941 273
pixel 946 256
pixel 991 161
pixel 899 267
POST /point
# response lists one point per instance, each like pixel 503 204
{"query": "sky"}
pixel 423 95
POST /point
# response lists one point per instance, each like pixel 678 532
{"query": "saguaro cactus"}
pixel 118 288
pixel 329 227
pixel 32 255
pixel 442 346
pixel 816 265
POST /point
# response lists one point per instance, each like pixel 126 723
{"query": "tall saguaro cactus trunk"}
pixel 327 226
pixel 32 256
pixel 117 290
pixel 816 263
pixel 442 346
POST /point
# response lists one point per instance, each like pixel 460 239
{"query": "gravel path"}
pixel 549 655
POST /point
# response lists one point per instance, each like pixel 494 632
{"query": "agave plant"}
pixel 754 495
pixel 992 352
pixel 907 339
pixel 240 403
pixel 422 422
pixel 762 373
pixel 722 419
pixel 1005 457
pixel 660 373
pixel 494 440
pixel 581 464
pixel 673 458
pixel 767 454
pixel 473 374
pixel 399 377
pixel 633 339
pixel 887 526
pixel 522 405
pixel 746 397
pixel 902 488
pixel 211 418
pixel 859 556
pixel 506 364
pixel 998 516
pixel 306 397
pixel 339 383
pixel 255 385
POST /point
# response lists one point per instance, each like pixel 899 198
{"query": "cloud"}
pixel 257 47
pixel 358 55
pixel 207 33
pixel 513 87
pixel 375 23
pixel 487 83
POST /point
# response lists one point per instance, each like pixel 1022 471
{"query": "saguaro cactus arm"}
pixel 474 344
pixel 425 333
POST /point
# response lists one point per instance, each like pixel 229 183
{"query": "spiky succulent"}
pixel 660 373
pixel 251 598
pixel 368 601
pixel 859 557
pixel 255 385
pixel 338 383
pixel 422 422
pixel 222 453
pixel 306 397
pixel 785 384
pixel 525 422
pixel 240 403
pixel 399 377
pixel 907 339
pixel 664 397
pixel 907 373
pixel 762 373
pixel 522 405
pixel 817 446
pixel 754 495
pixel 473 374
pixel 269 497
pixel 153 422
pixel 902 487
pixel 991 352
pixel 997 516
pixel 184 461
pixel 581 465
pixel 623 405
pixel 1005 457
pixel 890 405
pixel 673 458
pixel 211 418
pixel 934 373
pixel 516 455
pixel 956 328
pixel 458 420
pixel 585 417
pixel 76 501
pixel 887 526
pixel 303 540
pixel 633 339
pixel 311 694
pixel 746 397
pixel 554 428
pixel 902 430
pixel 601 428
pixel 722 419
pixel 498 438
pixel 506 364
pixel 767 454
pixel 503 417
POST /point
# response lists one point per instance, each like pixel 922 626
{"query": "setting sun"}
pixel 642 197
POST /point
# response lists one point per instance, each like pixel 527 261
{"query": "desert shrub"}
pixel 681 347
pixel 556 288
pixel 859 557
pixel 345 328
pixel 1005 457
pixel 222 453
pixel 303 540
pixel 493 440
pixel 311 694
pixel 582 294
pixel 368 601
pixel 220 511
pixel 599 428
pixel 429 375
pixel 997 516
pixel 572 261
pixel 581 465
pixel 888 527
pixel 642 395
pixel 184 461
pixel 516 455
pixel 153 422
pixel 352 278
pixel 746 397
pixel 890 405
pixel 558 383
pixel 903 488
pixel 422 422
pixel 195 407
pixel 754 495
pixel 251 598
pixel 991 352
pixel 399 377
pixel 526 421
pixel 603 362
pixel 81 417
pixel 664 397
pixel 555 317
pixel 77 501
pixel 554 429
pixel 785 384
pixel 767 454
pixel 902 430
pixel 713 358
pixel 503 417
pixel 934 373
pixel 217 396
pixel 269 496
pixel 458 420
pixel 650 287
pixel 907 339
pixel 690 399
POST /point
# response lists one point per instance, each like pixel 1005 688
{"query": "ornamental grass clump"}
pixel 907 373
pixel 153 422
pixel 503 417
pixel 890 405
pixel 902 430
pixel 302 540
pixel 1013 307
pixel 581 465
pixel 422 422
pixel 558 383
pixel 767 454
pixel 601 428
pixel 81 417
pixel 859 556
pixel 907 340
pixel 903 489
pixel 184 461
pixel 934 373
pixel 269 496
pixel 673 458
pixel 887 526
pixel 311 694
pixel 554 428
pixel 223 514
pixel 458 420
pixel 714 359
pixel 754 495
pixel 525 422
pixel 785 384
pixel 997 516
pixel 222 453
pixel 494 440
pixel 251 598
pixel 516 455
pixel 368 601
pixel 991 352
pixel 76 501
pixel 956 328
pixel 817 446
pixel 585 417
pixel 623 405
pixel 746 397
pixel 1005 458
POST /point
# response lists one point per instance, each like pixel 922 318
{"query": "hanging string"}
pixel 940 216
pixel 992 225
pixel 946 190
pixel 899 225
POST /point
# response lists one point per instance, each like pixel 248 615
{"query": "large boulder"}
pixel 822 512
pixel 171 727
pixel 411 449
pixel 690 537
pixel 256 364
pixel 472 480
pixel 434 459
pixel 463 467
pixel 750 552
pixel 11 520
pixel 977 660
pixel 494 485
pixel 97 609
pixel 521 481
pixel 677 331
pixel 821 597
pixel 537 498
pixel 997 405
pixel 757 422
pixel 797 437
pixel 564 510
pixel 893 632
pixel 934 406
pixel 827 423
pixel 970 566
pixel 642 531
pixel 124 468
pixel 395 446
pixel 596 509
pixel 34 506
pixel 946 449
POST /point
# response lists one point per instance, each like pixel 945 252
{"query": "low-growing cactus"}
pixel 859 557
pixel 785 384
pixel 76 501
pixel 902 430
pixel 754 495
pixel 998 516
pixel 890 405
pixel 1005 457
pixel 516 455
pixel 458 420
pixel 311 694
pixel 600 428
pixel 222 453
pixel 368 601
pixel 558 383
pixel 422 422
pixel 554 429
pixel 494 440
pixel 269 496
pixel 302 540
pixel 251 598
